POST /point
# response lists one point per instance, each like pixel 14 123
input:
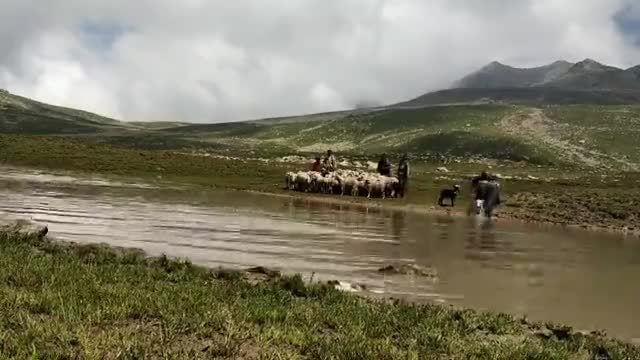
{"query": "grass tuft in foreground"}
pixel 91 301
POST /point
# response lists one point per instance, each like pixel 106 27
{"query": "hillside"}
pixel 532 96
pixel 592 136
pixel 21 115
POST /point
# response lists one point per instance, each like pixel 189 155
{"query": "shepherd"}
pixel 403 176
pixel 329 164
pixel 384 166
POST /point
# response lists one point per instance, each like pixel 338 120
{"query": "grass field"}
pixel 62 301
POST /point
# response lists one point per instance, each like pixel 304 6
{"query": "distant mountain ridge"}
pixel 561 82
pixel 586 74
pixel 497 75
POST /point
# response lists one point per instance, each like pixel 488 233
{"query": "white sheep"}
pixel 290 179
pixel 303 181
pixel 354 183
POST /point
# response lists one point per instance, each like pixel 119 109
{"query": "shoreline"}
pixel 457 212
pixel 502 213
pixel 102 300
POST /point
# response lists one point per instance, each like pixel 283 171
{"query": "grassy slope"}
pixel 22 115
pixel 72 301
pixel 463 132
pixel 607 129
pixel 604 133
pixel 451 131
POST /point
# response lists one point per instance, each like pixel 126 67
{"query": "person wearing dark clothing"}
pixel 476 179
pixel 479 193
pixel 403 176
pixel 317 166
pixel 384 166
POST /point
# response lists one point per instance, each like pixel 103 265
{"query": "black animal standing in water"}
pixel 449 194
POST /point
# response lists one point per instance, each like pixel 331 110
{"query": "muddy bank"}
pixel 514 209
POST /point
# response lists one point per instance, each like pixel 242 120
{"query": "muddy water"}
pixel 588 280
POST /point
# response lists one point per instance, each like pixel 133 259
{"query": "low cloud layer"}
pixel 214 61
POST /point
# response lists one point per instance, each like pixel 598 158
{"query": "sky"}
pixel 216 61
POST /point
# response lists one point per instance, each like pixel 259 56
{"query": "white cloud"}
pixel 221 60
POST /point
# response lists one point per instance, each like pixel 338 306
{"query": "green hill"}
pixel 589 135
pixel 595 136
pixel 22 115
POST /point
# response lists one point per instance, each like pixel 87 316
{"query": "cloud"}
pixel 213 61
pixel 628 22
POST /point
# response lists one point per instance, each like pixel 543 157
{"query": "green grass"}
pixel 22 115
pixel 465 144
pixel 608 129
pixel 68 154
pixel 61 301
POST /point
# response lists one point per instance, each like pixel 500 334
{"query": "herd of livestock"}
pixel 343 182
pixel 360 183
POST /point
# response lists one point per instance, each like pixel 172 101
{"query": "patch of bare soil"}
pixel 534 125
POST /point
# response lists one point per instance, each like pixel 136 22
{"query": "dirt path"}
pixel 538 128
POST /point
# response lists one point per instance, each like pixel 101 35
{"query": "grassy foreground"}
pixel 62 301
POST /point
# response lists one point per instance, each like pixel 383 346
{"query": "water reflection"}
pixel 580 278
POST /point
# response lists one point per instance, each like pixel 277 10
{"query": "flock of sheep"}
pixel 349 182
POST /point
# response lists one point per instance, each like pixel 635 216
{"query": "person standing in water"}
pixel 403 176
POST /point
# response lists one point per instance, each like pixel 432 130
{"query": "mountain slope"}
pixel 497 75
pixel 585 82
pixel 589 74
pixel 533 96
pixel 22 115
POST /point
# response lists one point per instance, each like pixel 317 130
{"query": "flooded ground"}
pixel 585 279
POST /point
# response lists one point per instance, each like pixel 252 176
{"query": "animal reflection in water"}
pixel 482 243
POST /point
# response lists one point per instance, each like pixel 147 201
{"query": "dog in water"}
pixel 449 194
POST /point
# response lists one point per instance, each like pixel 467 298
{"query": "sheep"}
pixel 349 186
pixel 392 186
pixel 303 181
pixel 290 180
pixel 375 187
pixel 349 182
pixel 315 181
